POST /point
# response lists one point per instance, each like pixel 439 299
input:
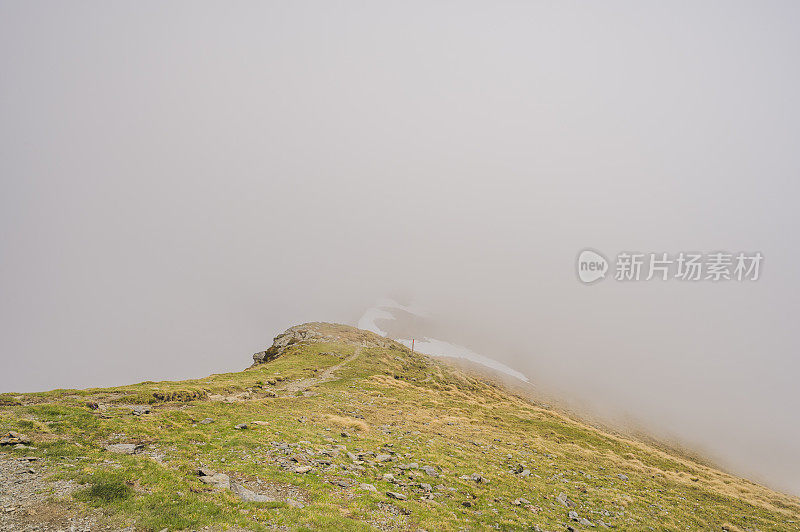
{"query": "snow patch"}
pixel 429 346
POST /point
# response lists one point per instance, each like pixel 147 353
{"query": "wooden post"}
pixel 412 345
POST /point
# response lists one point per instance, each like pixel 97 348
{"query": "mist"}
pixel 181 182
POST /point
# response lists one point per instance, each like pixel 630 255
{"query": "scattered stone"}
pixel 259 423
pixel 368 487
pixel 218 480
pixel 345 435
pixel 430 471
pixel 139 410
pixel 426 487
pixel 91 405
pixel 383 458
pixel 295 504
pixel 14 438
pixel 241 426
pixel 585 522
pixel 573 515
pixel 248 495
pixel 520 501
pixel 395 495
pixel 124 448
pixel 467 504
pixel 564 500
pixel 622 476
pixel 406 467
pixel 302 469
pixel 206 421
pixel 388 477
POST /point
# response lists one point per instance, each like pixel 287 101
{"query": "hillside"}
pixel 335 428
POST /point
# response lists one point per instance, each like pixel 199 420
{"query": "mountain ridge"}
pixel 334 427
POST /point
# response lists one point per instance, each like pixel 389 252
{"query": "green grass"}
pixel 385 399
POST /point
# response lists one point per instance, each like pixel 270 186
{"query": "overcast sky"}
pixel 181 181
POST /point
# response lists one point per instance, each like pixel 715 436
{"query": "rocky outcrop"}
pixel 322 332
pixel 293 335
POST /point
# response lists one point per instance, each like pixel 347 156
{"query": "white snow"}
pixel 429 346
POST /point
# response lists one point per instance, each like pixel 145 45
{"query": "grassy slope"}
pixel 386 398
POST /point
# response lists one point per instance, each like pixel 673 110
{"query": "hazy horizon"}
pixel 183 181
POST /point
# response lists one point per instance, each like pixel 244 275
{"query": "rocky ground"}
pixel 30 502
pixel 341 431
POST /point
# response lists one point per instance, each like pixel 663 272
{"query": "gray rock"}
pixel 564 500
pixel 14 438
pixel 248 495
pixel 405 467
pixel 206 421
pixel 395 495
pixel 139 410
pixel 383 458
pixel 521 501
pixel 585 522
pixel 426 487
pixel 368 487
pixel 622 476
pixel 241 426
pixel 219 480
pixel 302 469
pixel 295 504
pixel 430 471
pixel 124 448
pixel 573 515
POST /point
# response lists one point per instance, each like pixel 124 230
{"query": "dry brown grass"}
pixel 351 423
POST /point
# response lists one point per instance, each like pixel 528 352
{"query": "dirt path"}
pixel 328 375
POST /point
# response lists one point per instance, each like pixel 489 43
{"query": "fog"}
pixel 180 182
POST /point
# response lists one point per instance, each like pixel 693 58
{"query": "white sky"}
pixel 181 181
